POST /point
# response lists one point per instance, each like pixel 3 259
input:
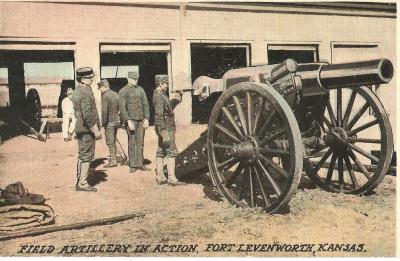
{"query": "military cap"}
pixel 84 72
pixel 104 83
pixel 133 75
pixel 69 91
pixel 160 78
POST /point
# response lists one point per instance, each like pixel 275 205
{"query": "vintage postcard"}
pixel 196 129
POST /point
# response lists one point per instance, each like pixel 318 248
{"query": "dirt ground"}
pixel 193 214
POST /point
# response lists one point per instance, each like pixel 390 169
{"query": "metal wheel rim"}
pixel 295 152
pixel 386 141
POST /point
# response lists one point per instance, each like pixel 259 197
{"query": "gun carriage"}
pixel 273 122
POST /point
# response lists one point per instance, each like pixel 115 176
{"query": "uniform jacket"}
pixel 85 109
pixel 69 119
pixel 109 107
pixel 133 103
pixel 163 110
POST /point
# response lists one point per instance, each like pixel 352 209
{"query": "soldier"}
pixel 165 130
pixel 135 112
pixel 69 120
pixel 87 126
pixel 110 119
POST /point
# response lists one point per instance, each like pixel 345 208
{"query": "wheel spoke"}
pixel 330 170
pixel 331 115
pixel 227 132
pixel 357 116
pixel 241 189
pixel 227 163
pixel 270 179
pixel 339 107
pixel 363 127
pixel 351 171
pixel 340 171
pixel 249 112
pixel 354 139
pixel 234 176
pixel 232 121
pixel 349 108
pixel 321 162
pixel 259 114
pixel 318 149
pixel 327 123
pixel 239 109
pixel 274 166
pixel 222 146
pixel 276 134
pixel 251 188
pixel 322 127
pixel 265 196
pixel 274 152
pixel 266 123
pixel 363 152
pixel 359 164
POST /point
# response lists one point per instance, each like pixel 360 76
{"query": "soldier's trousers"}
pixel 86 146
pixel 166 150
pixel 110 132
pixel 135 145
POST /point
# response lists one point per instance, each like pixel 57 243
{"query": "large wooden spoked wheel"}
pixel 254 147
pixel 33 109
pixel 358 126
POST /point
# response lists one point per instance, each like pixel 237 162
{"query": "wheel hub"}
pixel 337 137
pixel 245 150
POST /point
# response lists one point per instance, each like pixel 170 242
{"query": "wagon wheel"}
pixel 33 109
pixel 252 131
pixel 344 161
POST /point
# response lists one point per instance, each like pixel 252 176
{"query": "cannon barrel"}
pixel 334 76
pixel 316 78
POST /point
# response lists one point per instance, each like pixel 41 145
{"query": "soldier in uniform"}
pixel 69 120
pixel 109 119
pixel 165 130
pixel 87 126
pixel 135 112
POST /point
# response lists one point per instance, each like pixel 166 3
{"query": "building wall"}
pixel 89 25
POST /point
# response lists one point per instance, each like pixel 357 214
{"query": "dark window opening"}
pixel 278 54
pixel 213 61
pixel 39 70
pixel 114 67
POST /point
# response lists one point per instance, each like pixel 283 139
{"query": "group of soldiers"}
pixel 128 108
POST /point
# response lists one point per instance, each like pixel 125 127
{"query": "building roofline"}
pixel 366 9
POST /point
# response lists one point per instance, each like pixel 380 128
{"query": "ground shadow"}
pixel 146 161
pixel 306 183
pixel 97 162
pixel 210 191
pixel 370 193
pixel 96 177
pixel 202 177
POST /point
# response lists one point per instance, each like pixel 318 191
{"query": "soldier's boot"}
pixel 113 159
pixel 82 181
pixel 172 180
pixel 160 177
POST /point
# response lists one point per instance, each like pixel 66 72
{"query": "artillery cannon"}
pixel 273 122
